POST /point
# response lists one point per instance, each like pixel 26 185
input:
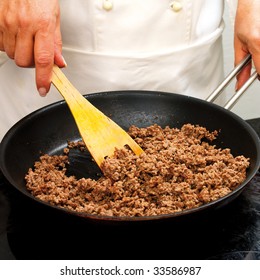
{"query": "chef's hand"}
pixel 247 37
pixel 30 34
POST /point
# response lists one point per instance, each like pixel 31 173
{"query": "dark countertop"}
pixel 33 231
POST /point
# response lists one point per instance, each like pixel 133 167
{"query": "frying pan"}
pixel 48 129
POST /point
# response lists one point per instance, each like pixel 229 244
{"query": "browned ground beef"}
pixel 179 170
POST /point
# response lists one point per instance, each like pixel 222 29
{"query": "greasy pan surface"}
pixel 47 131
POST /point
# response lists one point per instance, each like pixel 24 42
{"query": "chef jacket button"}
pixel 107 5
pixel 176 6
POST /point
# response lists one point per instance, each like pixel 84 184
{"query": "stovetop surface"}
pixel 29 230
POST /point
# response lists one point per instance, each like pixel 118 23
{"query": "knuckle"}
pixel 9 20
pixel 13 23
pixel 45 20
pixel 24 23
pixel 44 58
pixel 20 63
pixel 23 62
pixel 254 38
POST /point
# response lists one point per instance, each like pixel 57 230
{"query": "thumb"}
pixel 58 58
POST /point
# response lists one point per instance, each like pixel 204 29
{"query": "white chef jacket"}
pixel 164 45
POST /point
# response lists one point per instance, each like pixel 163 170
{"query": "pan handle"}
pixel 232 101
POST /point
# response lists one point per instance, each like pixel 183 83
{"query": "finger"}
pixel 240 53
pixel 1 42
pixel 44 59
pixel 243 76
pixel 24 53
pixel 9 43
pixel 58 58
pixel 256 61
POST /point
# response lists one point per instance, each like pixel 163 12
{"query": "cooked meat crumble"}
pixel 179 170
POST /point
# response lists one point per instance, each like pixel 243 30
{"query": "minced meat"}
pixel 178 170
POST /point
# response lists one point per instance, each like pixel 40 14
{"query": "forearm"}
pixel 247 36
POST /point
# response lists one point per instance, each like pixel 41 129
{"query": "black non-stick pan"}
pixel 47 131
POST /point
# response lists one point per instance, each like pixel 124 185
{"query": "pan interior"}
pixel 47 130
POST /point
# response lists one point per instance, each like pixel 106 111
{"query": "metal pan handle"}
pixel 233 100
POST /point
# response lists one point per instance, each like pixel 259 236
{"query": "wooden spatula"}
pixel 100 134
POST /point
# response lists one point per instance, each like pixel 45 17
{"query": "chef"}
pixel 164 45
